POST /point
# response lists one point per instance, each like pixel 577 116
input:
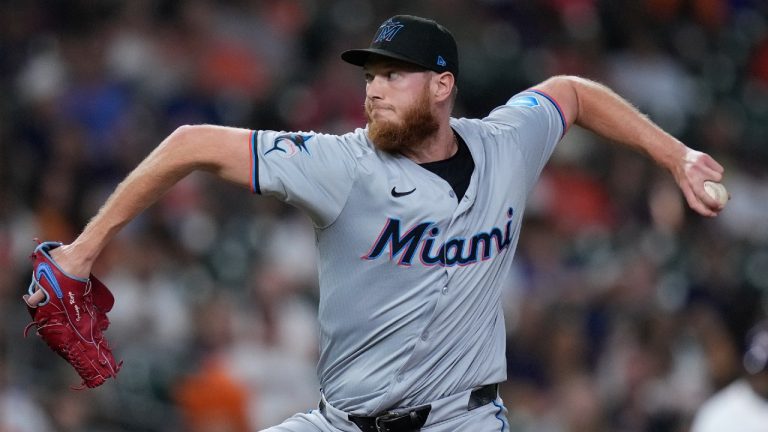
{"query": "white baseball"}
pixel 716 191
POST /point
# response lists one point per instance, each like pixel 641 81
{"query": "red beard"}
pixel 418 124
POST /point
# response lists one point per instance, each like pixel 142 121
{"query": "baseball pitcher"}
pixel 417 217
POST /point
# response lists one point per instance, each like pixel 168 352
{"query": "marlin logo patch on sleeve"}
pixel 289 145
pixel 524 101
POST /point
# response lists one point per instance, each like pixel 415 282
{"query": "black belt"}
pixel 411 420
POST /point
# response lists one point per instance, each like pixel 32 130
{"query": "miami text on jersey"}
pixel 456 251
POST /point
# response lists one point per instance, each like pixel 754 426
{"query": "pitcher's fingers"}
pixel 700 171
pixel 705 198
pixel 710 202
pixel 697 204
pixel 34 299
pixel 711 163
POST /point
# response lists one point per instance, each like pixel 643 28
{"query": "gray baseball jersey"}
pixel 410 277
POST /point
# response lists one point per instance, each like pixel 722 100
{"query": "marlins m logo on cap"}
pixel 387 31
pixel 416 40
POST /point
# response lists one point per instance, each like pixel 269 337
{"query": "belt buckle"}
pixel 387 417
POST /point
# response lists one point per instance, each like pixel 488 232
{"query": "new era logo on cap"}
pixel 412 39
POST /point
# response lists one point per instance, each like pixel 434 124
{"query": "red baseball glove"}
pixel 72 317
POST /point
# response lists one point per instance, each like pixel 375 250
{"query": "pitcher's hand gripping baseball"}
pixel 71 317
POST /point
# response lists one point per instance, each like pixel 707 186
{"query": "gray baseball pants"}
pixel 449 414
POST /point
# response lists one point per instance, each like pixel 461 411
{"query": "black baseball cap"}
pixel 412 39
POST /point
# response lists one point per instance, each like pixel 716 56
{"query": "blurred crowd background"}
pixel 625 310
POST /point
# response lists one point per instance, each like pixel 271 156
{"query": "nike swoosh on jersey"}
pixel 397 194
